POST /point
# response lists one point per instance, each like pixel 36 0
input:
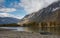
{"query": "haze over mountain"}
pixel 46 14
pixel 8 19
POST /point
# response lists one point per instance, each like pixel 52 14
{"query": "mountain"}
pixel 6 18
pixel 50 13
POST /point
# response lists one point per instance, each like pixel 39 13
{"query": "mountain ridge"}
pixel 8 20
pixel 45 14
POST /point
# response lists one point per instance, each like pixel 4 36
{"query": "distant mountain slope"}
pixel 8 20
pixel 46 14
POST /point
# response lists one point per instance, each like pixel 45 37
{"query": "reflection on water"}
pixel 15 28
pixel 53 30
pixel 47 30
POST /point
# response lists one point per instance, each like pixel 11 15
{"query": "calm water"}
pixel 16 28
pixel 44 29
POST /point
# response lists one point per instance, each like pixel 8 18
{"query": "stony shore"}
pixel 17 34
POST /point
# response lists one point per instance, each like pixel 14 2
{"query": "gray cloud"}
pixel 35 5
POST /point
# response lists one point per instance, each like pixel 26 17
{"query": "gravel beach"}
pixel 17 34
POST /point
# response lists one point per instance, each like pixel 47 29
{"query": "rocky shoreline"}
pixel 17 34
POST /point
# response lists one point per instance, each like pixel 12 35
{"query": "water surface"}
pixel 45 30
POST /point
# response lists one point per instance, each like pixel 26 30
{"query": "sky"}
pixel 20 8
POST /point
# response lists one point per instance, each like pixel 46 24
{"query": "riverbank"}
pixel 21 34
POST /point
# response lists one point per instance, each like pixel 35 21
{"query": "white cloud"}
pixel 9 15
pixel 5 10
pixel 34 5
pixel 4 14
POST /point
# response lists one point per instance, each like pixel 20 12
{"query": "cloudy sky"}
pixel 19 8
